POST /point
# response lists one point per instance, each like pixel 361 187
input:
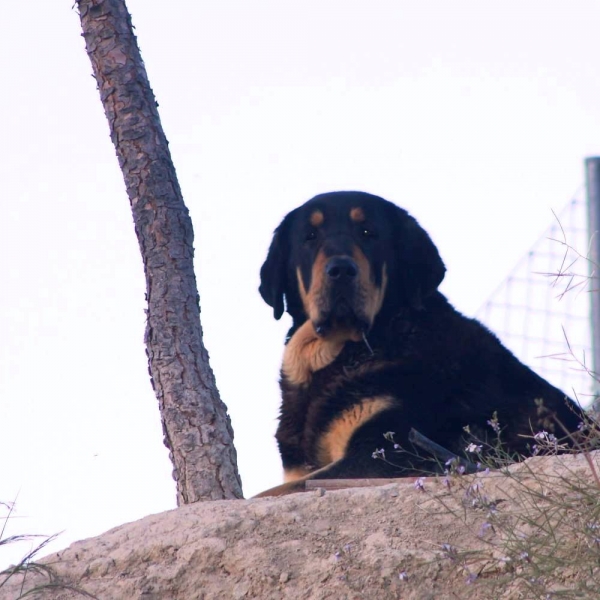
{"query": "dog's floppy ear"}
pixel 273 273
pixel 420 267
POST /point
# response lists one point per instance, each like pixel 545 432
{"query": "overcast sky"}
pixel 474 116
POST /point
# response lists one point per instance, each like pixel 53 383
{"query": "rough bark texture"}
pixel 197 430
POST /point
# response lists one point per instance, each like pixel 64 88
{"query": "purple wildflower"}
pixel 493 423
pixel 473 448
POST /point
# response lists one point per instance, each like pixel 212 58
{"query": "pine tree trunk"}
pixel 197 429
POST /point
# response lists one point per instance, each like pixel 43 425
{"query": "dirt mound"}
pixel 432 540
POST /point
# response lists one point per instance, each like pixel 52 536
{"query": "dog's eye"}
pixel 311 235
pixel 367 233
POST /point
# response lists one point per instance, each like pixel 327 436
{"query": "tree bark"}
pixel 197 429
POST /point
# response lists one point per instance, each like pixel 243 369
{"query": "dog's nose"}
pixel 341 268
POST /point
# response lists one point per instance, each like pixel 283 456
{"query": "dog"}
pixel 375 351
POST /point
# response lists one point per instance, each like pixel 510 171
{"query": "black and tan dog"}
pixel 375 348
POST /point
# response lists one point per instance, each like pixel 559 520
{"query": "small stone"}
pixel 240 591
pixel 284 577
pixel 320 492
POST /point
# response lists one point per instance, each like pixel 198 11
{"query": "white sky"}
pixel 475 116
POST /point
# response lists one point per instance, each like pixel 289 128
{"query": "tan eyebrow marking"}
pixel 357 215
pixel 317 218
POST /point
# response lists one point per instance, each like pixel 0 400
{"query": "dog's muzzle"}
pixel 341 310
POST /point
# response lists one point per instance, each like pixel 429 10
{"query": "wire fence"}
pixel 541 311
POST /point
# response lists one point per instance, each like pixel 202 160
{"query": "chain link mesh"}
pixel 541 311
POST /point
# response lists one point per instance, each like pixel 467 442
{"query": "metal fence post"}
pixel 592 170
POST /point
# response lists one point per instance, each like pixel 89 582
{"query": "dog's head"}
pixel 340 257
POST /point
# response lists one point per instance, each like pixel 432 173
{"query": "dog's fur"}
pixel 376 348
